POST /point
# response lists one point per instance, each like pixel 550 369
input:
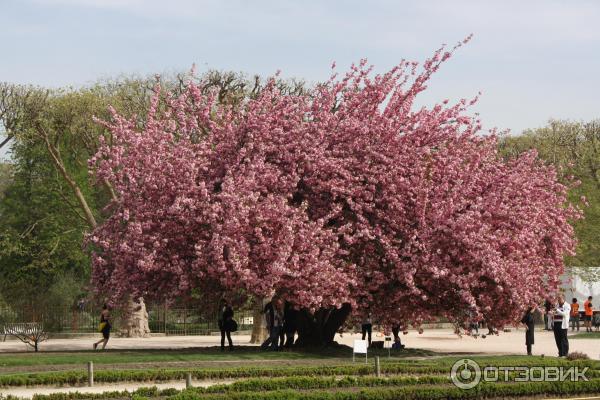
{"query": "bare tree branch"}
pixel 59 164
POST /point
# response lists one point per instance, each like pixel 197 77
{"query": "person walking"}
pixel 561 325
pixel 528 321
pixel 226 323
pixel 588 313
pixel 574 314
pixel 277 327
pixel 269 313
pixel 104 327
pixel 367 327
pixel 473 326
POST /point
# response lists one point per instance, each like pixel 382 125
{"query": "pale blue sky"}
pixel 533 60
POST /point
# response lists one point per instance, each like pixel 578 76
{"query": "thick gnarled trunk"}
pixel 259 328
pixel 134 321
pixel 319 329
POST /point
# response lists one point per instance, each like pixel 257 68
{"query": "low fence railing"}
pixel 186 321
pixel 85 319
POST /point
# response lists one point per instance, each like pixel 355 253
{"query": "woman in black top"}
pixel 225 323
pixel 105 327
pixel 527 320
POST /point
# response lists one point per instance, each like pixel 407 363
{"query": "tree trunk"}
pixel 134 321
pixel 319 329
pixel 259 328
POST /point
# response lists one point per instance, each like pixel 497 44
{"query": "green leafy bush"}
pixel 369 388
pixel 157 375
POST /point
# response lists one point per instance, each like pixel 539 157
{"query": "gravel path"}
pixel 25 392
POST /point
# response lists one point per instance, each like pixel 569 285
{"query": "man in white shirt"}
pixel 561 325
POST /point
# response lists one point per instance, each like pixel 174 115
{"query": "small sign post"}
pixel 387 344
pixel 360 347
pixel 90 369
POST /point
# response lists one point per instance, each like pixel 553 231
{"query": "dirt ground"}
pixel 506 343
pixel 438 340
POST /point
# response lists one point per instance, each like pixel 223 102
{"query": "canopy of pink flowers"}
pixel 347 194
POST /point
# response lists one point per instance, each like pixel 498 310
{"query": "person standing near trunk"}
pixel 269 313
pixel 277 324
pixel 528 321
pixel 561 325
pixel 289 323
pixel 367 327
pixel 397 342
pixel 225 323
pixel 547 315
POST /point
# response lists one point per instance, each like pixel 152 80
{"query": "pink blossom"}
pixel 349 194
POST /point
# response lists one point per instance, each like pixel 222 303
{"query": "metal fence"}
pixel 186 321
pixel 85 319
pixel 55 319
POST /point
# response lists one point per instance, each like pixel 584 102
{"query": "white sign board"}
pixel 360 347
pixel 387 342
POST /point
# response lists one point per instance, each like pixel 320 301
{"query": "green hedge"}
pixel 410 392
pixel 485 390
pixel 148 375
pixel 80 377
pixel 261 385
pixel 304 383
pixel 370 388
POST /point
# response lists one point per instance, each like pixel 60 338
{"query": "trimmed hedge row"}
pixel 410 392
pixel 484 390
pixel 146 375
pixel 305 383
pixel 506 361
pixel 265 384
pixel 80 377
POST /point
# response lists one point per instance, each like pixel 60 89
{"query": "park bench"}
pixel 31 333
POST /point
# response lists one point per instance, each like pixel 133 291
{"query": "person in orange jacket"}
pixel 574 314
pixel 589 312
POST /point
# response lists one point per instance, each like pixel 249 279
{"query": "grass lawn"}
pixel 242 354
pixel 586 335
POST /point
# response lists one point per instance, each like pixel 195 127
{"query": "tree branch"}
pixel 59 164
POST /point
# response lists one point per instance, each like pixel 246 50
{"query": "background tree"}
pixel 574 149
pixel 5 177
pixel 51 199
pixel 43 226
pixel 40 240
